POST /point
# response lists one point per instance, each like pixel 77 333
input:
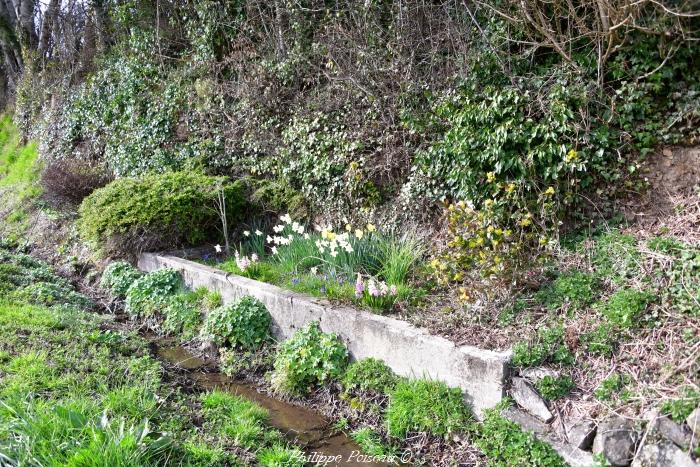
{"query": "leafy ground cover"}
pixel 73 392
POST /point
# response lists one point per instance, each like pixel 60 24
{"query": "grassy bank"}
pixel 73 392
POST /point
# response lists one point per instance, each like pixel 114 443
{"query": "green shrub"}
pixel 547 346
pixel 50 294
pixel 426 406
pixel 118 277
pixel 182 316
pixel 625 307
pixel 156 211
pixel 310 357
pixel 552 388
pixel 151 292
pixel 245 324
pixel 369 374
pixel 505 444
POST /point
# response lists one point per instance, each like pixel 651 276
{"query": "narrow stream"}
pixel 305 426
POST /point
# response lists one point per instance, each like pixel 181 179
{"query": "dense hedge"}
pixel 157 211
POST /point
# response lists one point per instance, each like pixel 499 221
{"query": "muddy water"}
pixel 302 425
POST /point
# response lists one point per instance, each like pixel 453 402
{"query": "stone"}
pixel 693 422
pixel 667 152
pixel 616 439
pixel 536 374
pixel 672 431
pixel 524 420
pixel 581 433
pixel 406 349
pixel 664 454
pixel 528 398
pixel 573 456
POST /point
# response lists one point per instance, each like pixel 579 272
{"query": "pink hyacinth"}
pixel 359 286
pixel 372 288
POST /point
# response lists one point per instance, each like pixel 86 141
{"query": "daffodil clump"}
pixel 510 228
pixel 330 262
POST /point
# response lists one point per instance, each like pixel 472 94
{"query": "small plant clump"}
pixel 309 358
pixel 369 374
pixel 679 409
pixel 505 443
pixel 613 387
pixel 625 307
pixel 245 324
pixel 547 346
pixel 427 407
pixel 148 294
pixel 118 277
pixel 553 388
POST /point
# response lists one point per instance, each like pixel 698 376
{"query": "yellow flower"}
pixel 525 222
pixel 543 240
pixel 488 203
pixel 549 191
pixel 510 188
pixel 572 156
pixel 359 233
pixel 331 236
pixel 490 176
pixel 348 227
pixel 458 276
pixel 371 228
pixel 463 295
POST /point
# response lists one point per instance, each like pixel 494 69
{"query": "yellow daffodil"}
pixel 488 203
pixel 371 228
pixel 359 234
pixel 510 188
pixel 490 176
pixel 572 156
pixel 549 191
pixel 348 227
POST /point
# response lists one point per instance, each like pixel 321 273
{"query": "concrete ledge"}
pixel 409 351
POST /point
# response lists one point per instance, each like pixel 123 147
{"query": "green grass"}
pixel 74 394
pixel 371 443
pixel 18 168
pixel 428 407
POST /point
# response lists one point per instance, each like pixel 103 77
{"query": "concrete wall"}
pixel 409 351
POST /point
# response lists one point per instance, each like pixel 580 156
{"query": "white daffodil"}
pixel 314 270
pixel 278 228
pixel 246 233
pixel 274 250
pixel 334 253
pixel 287 219
pixel 217 248
pixel 269 239
pixel 258 233
pixel 306 236
pixel 359 234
